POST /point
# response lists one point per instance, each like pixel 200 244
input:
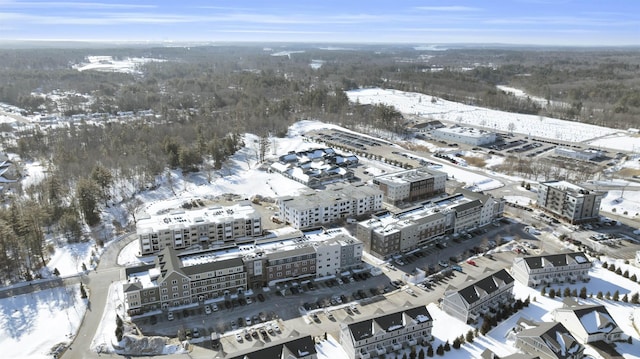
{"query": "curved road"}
pixel 98 283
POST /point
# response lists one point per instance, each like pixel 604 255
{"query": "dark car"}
pixel 261 297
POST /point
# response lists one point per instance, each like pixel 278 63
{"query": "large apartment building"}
pixel 551 269
pixel 207 227
pixel 411 185
pixel 315 208
pixel 387 234
pixel 386 333
pixel 177 279
pixel 299 348
pixel 569 202
pixel 479 297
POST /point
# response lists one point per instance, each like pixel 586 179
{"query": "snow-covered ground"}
pixel 539 126
pixel 109 64
pixel 30 325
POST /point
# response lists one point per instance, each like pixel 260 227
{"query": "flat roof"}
pixel 408 176
pixel 186 218
pixel 466 131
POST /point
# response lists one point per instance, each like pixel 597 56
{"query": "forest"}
pixel 204 98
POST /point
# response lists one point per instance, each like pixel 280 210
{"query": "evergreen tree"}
pixel 56 272
pixel 634 277
pixel 430 351
pixel 605 265
pixel 599 295
pixel 625 299
pixel 634 298
pixel 543 291
pixel 469 336
pixel 83 292
pixel 421 353
pixel 567 292
pixel 447 346
pixel 456 343
pixel 440 350
pixel 583 293
pixel 616 295
pixel 552 293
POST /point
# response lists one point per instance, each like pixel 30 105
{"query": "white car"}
pixel 443 264
pixel 207 310
pixel 214 307
pixel 239 338
pixel 170 316
pixel 249 300
pixel 247 321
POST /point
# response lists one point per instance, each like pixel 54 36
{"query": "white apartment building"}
pixel 387 333
pixel 468 135
pixel 411 185
pixel 316 208
pixel 551 269
pixel 478 297
pixel 569 202
pixel 205 227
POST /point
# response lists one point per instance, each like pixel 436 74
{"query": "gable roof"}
pixel 485 286
pixel 556 260
pixel 555 336
pixel 389 322
pixel 297 348
pixel 595 319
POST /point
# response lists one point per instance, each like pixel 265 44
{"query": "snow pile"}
pixel 137 345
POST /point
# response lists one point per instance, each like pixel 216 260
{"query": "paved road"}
pixel 98 283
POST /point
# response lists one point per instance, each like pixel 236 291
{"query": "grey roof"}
pixel 468 205
pixel 388 322
pixel 487 285
pixel 298 348
pixel 556 337
pixel 302 250
pixel 556 260
pixel 600 320
pixel 213 266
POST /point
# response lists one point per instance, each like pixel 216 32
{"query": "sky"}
pixel 520 22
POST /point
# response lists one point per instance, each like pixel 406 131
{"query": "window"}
pixel 174 281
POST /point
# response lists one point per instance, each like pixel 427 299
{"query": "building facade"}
pixel 386 333
pixel 547 340
pixel 569 202
pixel 334 204
pixel 387 234
pixel 177 279
pixel 411 185
pixel 213 226
pixel 479 297
pixel 548 269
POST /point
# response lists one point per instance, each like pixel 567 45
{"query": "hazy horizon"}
pixel 589 23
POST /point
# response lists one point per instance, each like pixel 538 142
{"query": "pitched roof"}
pixel 556 260
pixel 389 322
pixel 298 348
pixel 595 319
pixel 485 286
pixel 555 336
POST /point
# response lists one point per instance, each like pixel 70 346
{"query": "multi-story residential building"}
pixel 547 340
pixel 301 348
pixel 176 280
pixel 479 297
pixel 411 185
pixel 313 209
pixel 208 227
pixel 589 323
pixel 386 333
pixel 179 279
pixel 387 234
pixel 315 167
pixel 468 135
pixel 569 202
pixel 551 269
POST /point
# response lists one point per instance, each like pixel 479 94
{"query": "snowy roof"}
pixel 466 131
pixel 297 348
pixel 556 260
pixel 183 219
pixel 596 320
pixel 389 322
pixel 485 286
pixel 555 336
pixel 409 176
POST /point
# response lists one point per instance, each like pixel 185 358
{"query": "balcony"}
pixel 381 350
pixel 411 342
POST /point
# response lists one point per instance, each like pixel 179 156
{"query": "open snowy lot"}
pixel 30 325
pixel 421 105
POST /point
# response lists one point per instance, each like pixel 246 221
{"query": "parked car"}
pixel 443 264
pixel 456 267
pixel 207 309
pixel 195 332
pixel 472 262
pixel 170 316
pixel 214 307
pixel 239 338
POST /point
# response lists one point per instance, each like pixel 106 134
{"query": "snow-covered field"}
pixel 421 105
pixel 108 63
pixel 30 325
